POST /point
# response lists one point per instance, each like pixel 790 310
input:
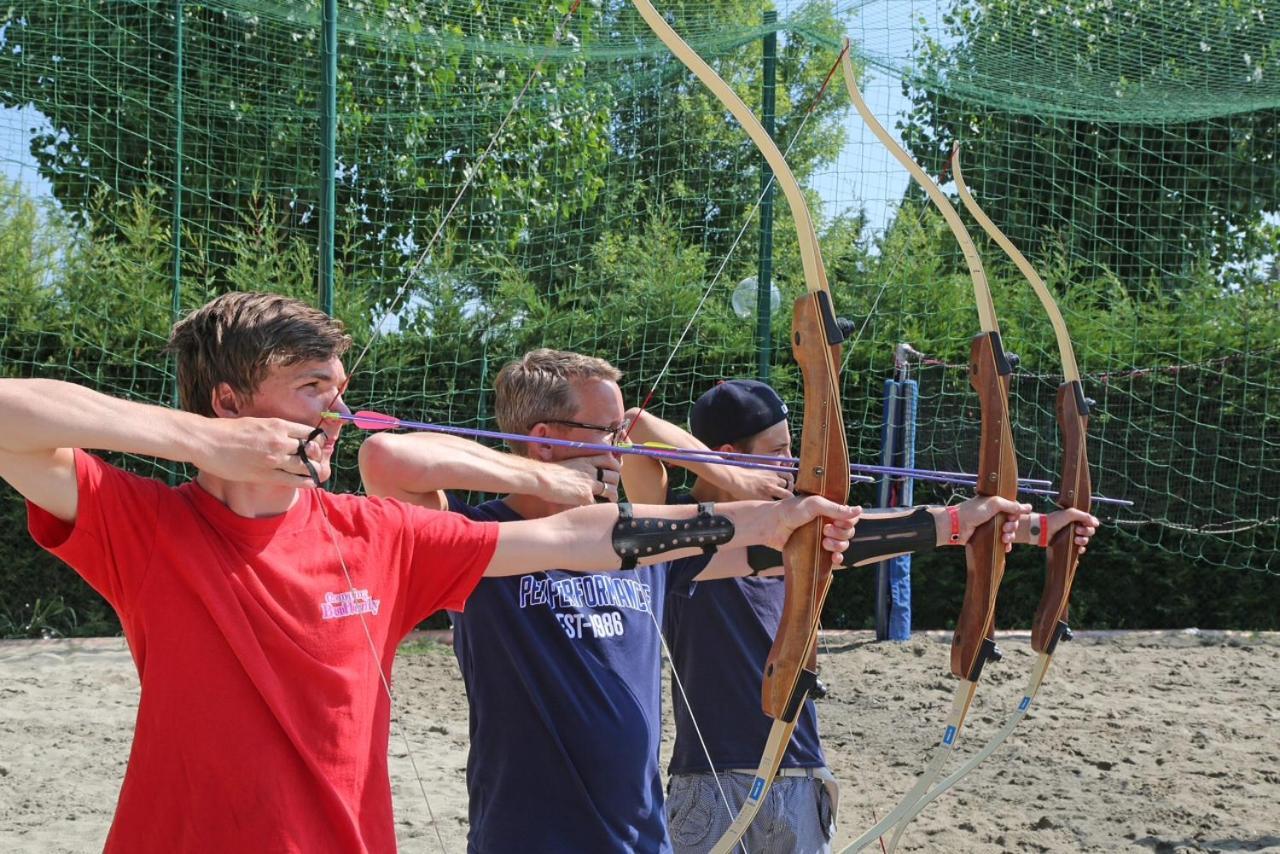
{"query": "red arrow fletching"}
pixel 367 420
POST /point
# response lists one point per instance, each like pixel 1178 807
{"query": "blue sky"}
pixel 865 173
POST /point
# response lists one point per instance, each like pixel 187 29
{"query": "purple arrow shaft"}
pixel 764 462
pixel 387 422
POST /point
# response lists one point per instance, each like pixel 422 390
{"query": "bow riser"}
pixel 822 470
pixel 989 373
pixel 824 454
pixel 1076 491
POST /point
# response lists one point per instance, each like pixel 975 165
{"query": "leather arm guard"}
pixel 636 538
pixel 879 537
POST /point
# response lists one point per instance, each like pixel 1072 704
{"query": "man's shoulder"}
pixel 96 472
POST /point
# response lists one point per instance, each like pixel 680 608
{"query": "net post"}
pixel 897 449
pixel 328 153
pixel 764 271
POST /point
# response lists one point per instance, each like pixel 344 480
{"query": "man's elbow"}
pixel 378 463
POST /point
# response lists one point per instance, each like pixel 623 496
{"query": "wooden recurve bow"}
pixel 990 369
pixel 790 675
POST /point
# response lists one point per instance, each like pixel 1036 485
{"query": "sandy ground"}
pixel 1163 742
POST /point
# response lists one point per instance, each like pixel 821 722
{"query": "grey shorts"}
pixel 797 815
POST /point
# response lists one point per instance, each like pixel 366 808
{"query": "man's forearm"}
pixel 420 463
pixel 582 538
pixel 650 428
pixel 40 415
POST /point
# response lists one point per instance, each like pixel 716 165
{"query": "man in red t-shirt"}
pixel 262 613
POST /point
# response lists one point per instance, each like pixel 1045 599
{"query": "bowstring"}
pixel 706 294
pixel 375 334
pixel 724 263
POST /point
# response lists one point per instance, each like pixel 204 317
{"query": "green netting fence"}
pixel 155 154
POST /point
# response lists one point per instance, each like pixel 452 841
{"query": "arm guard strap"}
pixel 878 537
pixel 636 538
pixel 760 558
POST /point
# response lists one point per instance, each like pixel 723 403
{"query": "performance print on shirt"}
pixel 720 633
pixel 586 606
pixel 262 721
pixel 563 672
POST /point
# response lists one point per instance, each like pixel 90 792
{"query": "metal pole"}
pixel 175 305
pixel 889 436
pixel 764 272
pixel 898 448
pixel 328 153
pixel 179 59
pixel 899 581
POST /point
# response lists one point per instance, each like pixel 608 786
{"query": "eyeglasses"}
pixel 611 434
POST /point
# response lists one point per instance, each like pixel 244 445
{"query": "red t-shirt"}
pixel 262 723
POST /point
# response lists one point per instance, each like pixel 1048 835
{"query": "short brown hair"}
pixel 238 337
pixel 539 387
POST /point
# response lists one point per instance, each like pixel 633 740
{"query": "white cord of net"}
pixel 382 676
pixel 1211 530
pixel 899 352
pixel 746 223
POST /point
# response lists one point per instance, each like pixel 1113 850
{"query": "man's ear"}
pixel 537 450
pixel 226 401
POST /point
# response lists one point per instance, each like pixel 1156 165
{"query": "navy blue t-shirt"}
pixel 563 674
pixel 720 633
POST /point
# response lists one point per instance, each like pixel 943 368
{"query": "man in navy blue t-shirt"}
pixel 562 670
pixel 720 634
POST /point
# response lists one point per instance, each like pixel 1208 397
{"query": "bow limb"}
pixel 990 369
pixel 790 674
pixel 981 291
pixel 810 254
pixel 989 372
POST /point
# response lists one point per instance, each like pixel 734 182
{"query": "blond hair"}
pixel 238 337
pixel 539 387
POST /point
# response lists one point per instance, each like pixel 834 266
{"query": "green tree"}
pixel 423 90
pixel 422 87
pixel 1141 135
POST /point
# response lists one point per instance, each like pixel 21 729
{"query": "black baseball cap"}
pixel 733 410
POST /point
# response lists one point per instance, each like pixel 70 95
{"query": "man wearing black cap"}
pixel 720 637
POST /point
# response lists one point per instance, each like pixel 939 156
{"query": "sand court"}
pixel 1138 741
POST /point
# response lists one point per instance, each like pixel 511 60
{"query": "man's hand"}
pixel 751 484
pixel 981 509
pixel 788 515
pixel 1086 525
pixel 582 480
pixel 262 450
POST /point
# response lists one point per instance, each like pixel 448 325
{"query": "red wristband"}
pixel 1044 530
pixel 954 513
